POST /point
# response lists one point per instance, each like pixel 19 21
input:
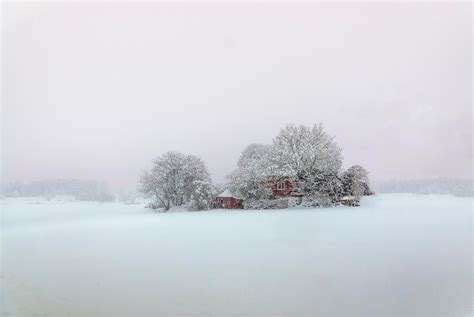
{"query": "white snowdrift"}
pixel 397 255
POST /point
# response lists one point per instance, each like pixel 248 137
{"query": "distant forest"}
pixel 76 189
pixel 456 187
pixel 98 191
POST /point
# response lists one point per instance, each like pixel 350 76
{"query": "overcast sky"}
pixel 95 91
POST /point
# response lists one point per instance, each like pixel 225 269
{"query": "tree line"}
pixel 76 189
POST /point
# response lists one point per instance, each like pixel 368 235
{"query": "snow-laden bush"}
pixel 154 205
pixel 201 198
pixel 317 201
pixel 294 201
pixel 355 182
pixel 266 203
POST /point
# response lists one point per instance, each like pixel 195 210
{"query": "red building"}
pixel 282 187
pixel 227 200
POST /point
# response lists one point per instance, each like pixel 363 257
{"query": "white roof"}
pixel 226 193
pixel 348 198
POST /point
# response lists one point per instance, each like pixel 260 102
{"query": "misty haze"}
pixel 225 159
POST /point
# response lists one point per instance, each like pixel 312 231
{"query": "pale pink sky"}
pixel 95 91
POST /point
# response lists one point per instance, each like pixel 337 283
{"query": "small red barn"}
pixel 227 200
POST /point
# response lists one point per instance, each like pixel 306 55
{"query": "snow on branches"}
pixel 302 163
pixel 249 179
pixel 355 181
pixel 178 179
pixel 307 156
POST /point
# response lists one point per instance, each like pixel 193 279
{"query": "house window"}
pixel 281 185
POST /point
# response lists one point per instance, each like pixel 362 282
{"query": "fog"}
pixel 396 255
pixel 95 91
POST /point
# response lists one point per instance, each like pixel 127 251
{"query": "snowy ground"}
pixel 397 255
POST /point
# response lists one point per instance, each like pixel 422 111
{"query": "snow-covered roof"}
pixel 349 198
pixel 226 193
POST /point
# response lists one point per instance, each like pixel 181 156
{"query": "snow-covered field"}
pixel 397 255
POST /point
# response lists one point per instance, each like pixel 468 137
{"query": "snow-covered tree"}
pixel 202 196
pixel 329 184
pixel 219 188
pixel 307 155
pixel 174 179
pixel 355 181
pixel 250 178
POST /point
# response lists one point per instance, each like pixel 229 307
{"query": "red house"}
pixel 227 200
pixel 281 187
